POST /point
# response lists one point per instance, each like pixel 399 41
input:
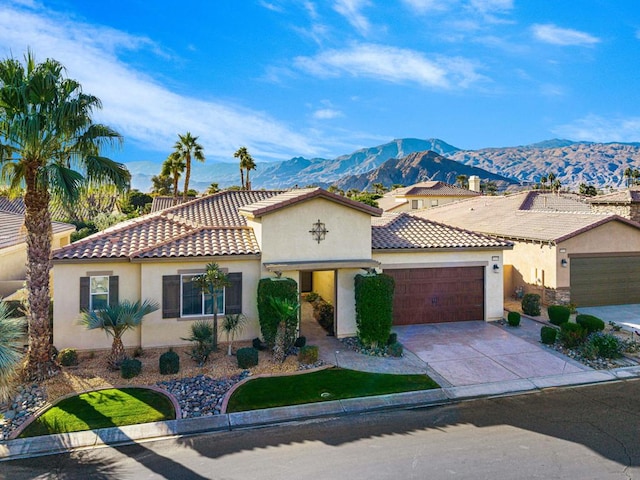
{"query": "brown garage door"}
pixel 613 280
pixel 434 295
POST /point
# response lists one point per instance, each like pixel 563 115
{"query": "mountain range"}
pixel 405 161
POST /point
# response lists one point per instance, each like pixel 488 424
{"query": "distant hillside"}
pixel 419 167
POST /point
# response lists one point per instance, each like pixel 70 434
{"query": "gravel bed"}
pixel 28 399
pixel 353 343
pixel 595 363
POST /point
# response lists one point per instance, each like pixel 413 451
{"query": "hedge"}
pixel 277 288
pixel 374 308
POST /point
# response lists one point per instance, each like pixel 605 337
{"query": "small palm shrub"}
pixel 513 319
pixel 548 335
pixel 169 362
pixel 558 314
pixel 130 367
pixel 531 304
pixel 590 323
pixel 395 349
pixel 68 357
pixel 308 355
pixel 605 344
pixel 201 336
pixel 572 334
pixel 232 325
pixel 247 357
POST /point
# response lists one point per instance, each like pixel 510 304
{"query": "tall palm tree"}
pixel 115 320
pixel 212 282
pixel 463 181
pixel 11 330
pixel 186 148
pixel 48 143
pixel 173 167
pixel 246 163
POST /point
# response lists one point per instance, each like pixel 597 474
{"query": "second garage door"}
pixel 434 295
pixel 611 280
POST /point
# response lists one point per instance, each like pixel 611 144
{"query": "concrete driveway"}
pixel 627 316
pixel 470 353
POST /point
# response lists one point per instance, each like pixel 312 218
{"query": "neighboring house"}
pixel 13 249
pixel 163 201
pixel 625 203
pixel 561 250
pixel 427 195
pixel 309 235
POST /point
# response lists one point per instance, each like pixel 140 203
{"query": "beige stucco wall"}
pixel 346 314
pixel 534 265
pixel 494 304
pixel 324 285
pixel 13 259
pixel 442 200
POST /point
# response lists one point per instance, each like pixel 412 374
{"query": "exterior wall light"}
pixel 496 267
pixel 564 262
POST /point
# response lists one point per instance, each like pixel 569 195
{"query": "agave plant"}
pixel 115 320
pixel 11 330
pixel 233 325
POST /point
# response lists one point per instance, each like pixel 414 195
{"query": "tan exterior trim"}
pixel 321 265
pixel 604 254
pixel 206 259
pixel 100 273
pixel 91 260
pixel 434 265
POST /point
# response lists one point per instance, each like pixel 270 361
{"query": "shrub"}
pixel 607 345
pixel 590 323
pixel 395 349
pixel 247 357
pixel 283 288
pixel 130 367
pixel 169 362
pixel 513 319
pixel 312 297
pixel 308 355
pixel 531 304
pixel 393 338
pixel 572 334
pixel 300 342
pixel 201 336
pixel 138 352
pixel 68 357
pixel 374 308
pixel 548 335
pixel 558 314
pixel 323 313
pixel 258 344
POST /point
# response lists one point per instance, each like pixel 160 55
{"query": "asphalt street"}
pixel 588 432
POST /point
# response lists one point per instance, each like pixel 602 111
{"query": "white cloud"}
pixel 326 114
pixel 555 35
pixel 425 6
pixel 350 9
pixel 390 64
pixel 138 106
pixel 487 6
pixel 596 128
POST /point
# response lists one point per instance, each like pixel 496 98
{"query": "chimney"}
pixel 474 183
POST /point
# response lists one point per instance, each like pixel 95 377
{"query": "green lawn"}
pixel 321 386
pixel 101 409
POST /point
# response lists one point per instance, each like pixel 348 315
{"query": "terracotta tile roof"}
pixel 181 228
pixel 291 197
pixel 14 205
pixel 162 202
pixel 631 195
pixel 433 188
pixel 404 231
pixel 563 202
pixel 501 216
pixel 13 232
pixel 390 203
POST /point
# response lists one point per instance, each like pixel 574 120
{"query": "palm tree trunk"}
pixel 175 190
pixel 40 363
pixel 187 177
pixel 248 184
pixel 117 354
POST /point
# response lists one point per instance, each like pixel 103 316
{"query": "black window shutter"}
pixel 84 294
pixel 113 290
pixel 233 294
pixel 171 296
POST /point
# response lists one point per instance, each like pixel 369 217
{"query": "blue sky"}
pixel 322 78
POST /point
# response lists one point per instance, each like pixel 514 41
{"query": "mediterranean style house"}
pixel 427 195
pixel 320 239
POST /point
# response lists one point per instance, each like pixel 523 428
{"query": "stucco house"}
pixel 427 195
pixel 625 203
pixel 311 235
pixel 562 249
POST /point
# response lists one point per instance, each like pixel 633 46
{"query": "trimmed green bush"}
pixel 395 349
pixel 312 297
pixel 606 345
pixel 285 288
pixel 393 338
pixel 258 344
pixel 68 357
pixel 572 334
pixel 323 312
pixel 548 335
pixel 300 342
pixel 590 323
pixel 247 357
pixel 531 304
pixel 558 314
pixel 169 362
pixel 308 355
pixel 130 367
pixel 513 319
pixel 374 308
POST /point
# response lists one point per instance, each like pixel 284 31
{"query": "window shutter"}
pixel 233 294
pixel 171 296
pixel 113 291
pixel 84 293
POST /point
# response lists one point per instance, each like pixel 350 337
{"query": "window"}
pixel 194 302
pixel 416 204
pixel 98 291
pixel 434 203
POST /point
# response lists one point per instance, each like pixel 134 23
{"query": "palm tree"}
pixel 173 167
pixel 379 189
pixel 232 325
pixel 187 147
pixel 11 331
pixel 246 163
pixel 212 282
pixel 115 320
pixel 286 311
pixel 213 188
pixel 543 182
pixel 48 143
pixel 628 174
pixel 463 181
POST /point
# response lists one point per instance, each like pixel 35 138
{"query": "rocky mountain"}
pixel 419 167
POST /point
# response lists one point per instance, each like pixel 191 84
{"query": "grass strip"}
pixel 102 409
pixel 322 386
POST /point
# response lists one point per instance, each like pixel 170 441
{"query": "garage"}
pixel 436 295
pixel 605 280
